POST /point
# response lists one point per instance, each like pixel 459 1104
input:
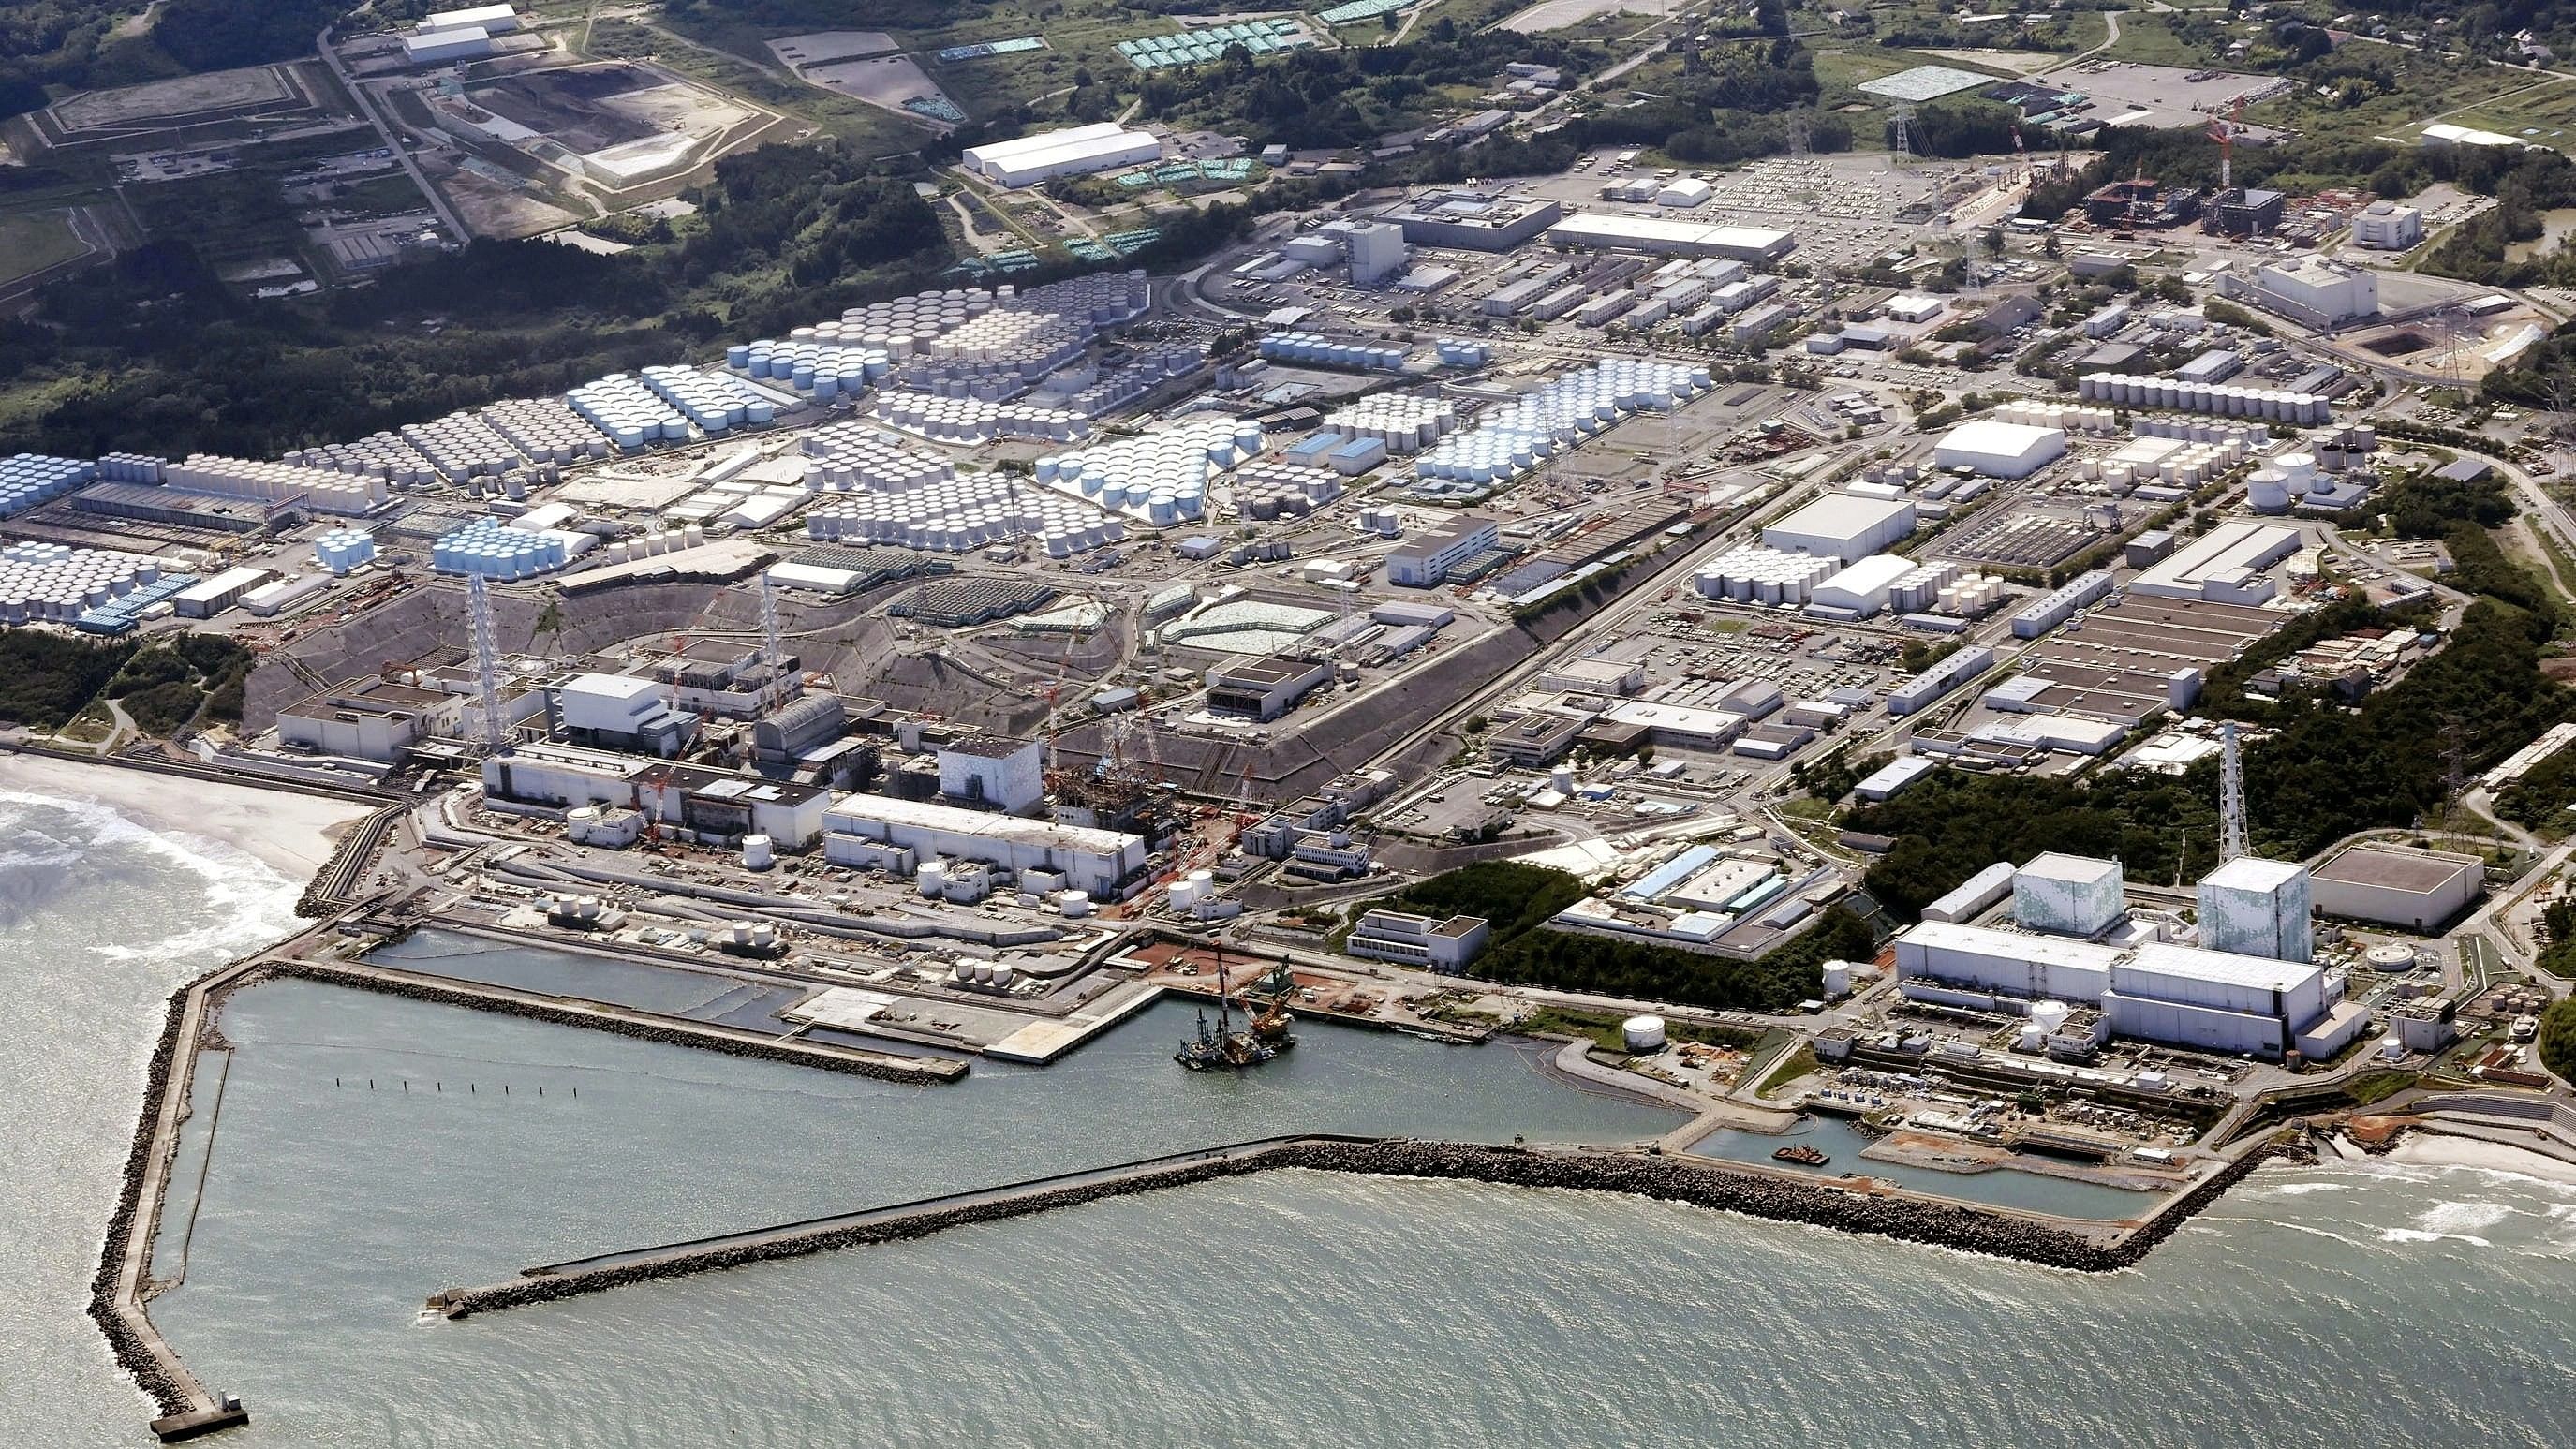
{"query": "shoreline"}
pixel 290 832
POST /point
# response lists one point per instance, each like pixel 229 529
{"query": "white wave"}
pixel 2317 1232
pixel 247 904
pixel 2302 1189
pixel 2455 1218
pixel 2418 1235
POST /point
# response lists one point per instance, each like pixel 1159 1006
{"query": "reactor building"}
pixel 2247 986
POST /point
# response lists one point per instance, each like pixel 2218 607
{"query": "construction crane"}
pixel 2223 129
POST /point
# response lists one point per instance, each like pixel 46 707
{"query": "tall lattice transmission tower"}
pixel 2231 797
pixel 1901 141
pixel 486 638
pixel 773 651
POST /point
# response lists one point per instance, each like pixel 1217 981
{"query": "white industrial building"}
pixel 2398 886
pixel 717 805
pixel 1863 589
pixel 621 711
pixel 1400 936
pixel 1684 191
pixel 2387 226
pixel 907 836
pixel 1843 525
pixel 2068 895
pixel 2224 565
pixel 1424 560
pixel 1999 449
pixel 2157 991
pixel 2258 907
pixel 1073 151
pixel 2318 290
pixel 490 19
pixel 1669 236
pixel 1378 252
pixel 441 47
pixel 993 773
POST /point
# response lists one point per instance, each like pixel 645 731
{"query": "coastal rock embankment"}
pixel 1699 1184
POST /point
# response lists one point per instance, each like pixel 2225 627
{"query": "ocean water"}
pixel 2350 1304
pixel 100 919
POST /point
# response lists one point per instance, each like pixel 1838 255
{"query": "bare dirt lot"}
pixel 186 96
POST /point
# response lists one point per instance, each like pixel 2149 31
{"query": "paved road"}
pixel 391 136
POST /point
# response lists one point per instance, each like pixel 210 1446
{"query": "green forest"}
pixel 156 353
pixel 46 679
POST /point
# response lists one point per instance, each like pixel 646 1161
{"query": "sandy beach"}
pixel 2443 1149
pixel 290 833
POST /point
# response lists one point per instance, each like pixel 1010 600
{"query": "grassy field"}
pixel 33 241
pixel 2544 113
pixel 2147 40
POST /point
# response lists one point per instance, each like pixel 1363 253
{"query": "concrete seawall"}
pixel 1697 1182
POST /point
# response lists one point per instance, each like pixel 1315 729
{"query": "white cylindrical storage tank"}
pixel 1837 979
pixel 757 852
pixel 2049 1016
pixel 1074 903
pixel 931 880
pixel 1643 1033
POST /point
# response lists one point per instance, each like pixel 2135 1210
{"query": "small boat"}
pixel 1801 1154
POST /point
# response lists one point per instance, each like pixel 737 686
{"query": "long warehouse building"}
pixel 1669 237
pixel 1074 151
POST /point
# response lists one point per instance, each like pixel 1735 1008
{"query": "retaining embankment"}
pixel 731 1041
pixel 154 1376
pixel 1911 1219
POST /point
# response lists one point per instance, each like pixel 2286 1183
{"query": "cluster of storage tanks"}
pixel 1264 490
pixel 1458 352
pixel 1757 574
pixel 586 912
pixel 318 489
pixel 1189 890
pixel 826 369
pixel 1966 596
pixel 976 420
pixel 343 549
pixel 2186 467
pixel 1317 350
pixel 1406 424
pixel 56 583
pixel 904 327
pixel 380 455
pixel 546 430
pixel 630 414
pixel 961 514
pixel 489 547
pixel 1161 477
pixel 1569 408
pixel 131 468
pixel 851 457
pixel 1003 350
pixel 2272 487
pixel 29 479
pixel 2184 430
pixel 714 402
pixel 756 936
pixel 2128 390
pixel 2099 422
pixel 969 974
pixel 654 545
